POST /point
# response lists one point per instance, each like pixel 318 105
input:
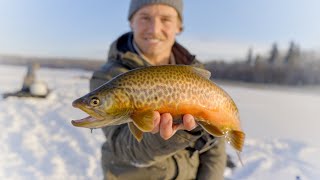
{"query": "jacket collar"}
pixel 123 52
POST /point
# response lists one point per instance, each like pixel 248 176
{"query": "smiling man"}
pixel 173 150
pixel 154 30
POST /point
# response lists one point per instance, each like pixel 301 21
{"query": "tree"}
pixel 274 53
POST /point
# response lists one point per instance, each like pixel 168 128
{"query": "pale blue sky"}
pixel 213 28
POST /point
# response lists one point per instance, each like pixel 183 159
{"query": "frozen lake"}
pixel 38 141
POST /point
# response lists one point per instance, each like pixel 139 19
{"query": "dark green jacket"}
pixel 186 155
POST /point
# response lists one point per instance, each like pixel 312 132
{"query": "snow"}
pixel 281 126
pixel 39 142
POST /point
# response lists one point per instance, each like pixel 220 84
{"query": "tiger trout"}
pixel 132 98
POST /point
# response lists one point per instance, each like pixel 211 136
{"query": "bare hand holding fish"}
pixel 137 96
pixel 164 124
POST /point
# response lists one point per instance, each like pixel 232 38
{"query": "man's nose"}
pixel 155 26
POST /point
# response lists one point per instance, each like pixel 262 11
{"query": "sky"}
pixel 213 29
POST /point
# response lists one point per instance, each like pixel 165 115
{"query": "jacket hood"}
pixel 123 48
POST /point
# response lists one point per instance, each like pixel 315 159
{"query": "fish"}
pixel 133 96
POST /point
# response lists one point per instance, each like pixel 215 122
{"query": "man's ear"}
pixel 180 29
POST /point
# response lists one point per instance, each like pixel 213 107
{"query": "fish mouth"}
pixel 94 120
pixel 90 122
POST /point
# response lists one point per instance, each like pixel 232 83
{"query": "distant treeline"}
pixel 293 67
pixel 86 64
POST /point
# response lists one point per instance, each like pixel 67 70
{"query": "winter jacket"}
pixel 186 155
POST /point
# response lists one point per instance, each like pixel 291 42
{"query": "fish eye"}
pixel 94 101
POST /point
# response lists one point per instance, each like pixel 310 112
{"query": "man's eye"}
pixel 166 20
pixel 145 18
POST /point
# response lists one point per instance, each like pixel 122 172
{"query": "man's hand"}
pixel 164 124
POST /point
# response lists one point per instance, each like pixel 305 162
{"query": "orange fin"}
pixel 213 130
pixel 236 139
pixel 143 120
pixel 137 133
pixel 202 72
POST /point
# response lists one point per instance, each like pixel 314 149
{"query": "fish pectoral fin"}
pixel 137 133
pixel 236 139
pixel 213 130
pixel 143 120
pixel 202 72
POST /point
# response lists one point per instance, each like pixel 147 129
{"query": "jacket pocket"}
pixel 187 166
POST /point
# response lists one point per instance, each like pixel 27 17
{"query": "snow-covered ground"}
pixel 38 141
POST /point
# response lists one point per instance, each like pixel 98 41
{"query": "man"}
pixel 31 87
pixel 171 151
pixel 30 77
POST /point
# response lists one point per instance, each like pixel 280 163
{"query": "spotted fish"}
pixel 132 98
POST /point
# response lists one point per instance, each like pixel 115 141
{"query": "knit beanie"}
pixel 135 5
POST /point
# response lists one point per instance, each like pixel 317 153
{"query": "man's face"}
pixel 155 28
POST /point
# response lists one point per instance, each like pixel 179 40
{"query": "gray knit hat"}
pixel 135 5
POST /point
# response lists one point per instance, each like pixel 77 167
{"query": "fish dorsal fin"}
pixel 213 130
pixel 143 120
pixel 137 133
pixel 202 72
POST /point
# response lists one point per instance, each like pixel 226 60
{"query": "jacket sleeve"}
pixel 213 162
pixel 122 144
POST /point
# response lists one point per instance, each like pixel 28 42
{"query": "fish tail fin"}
pixel 236 139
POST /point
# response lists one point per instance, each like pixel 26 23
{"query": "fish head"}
pixel 100 106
